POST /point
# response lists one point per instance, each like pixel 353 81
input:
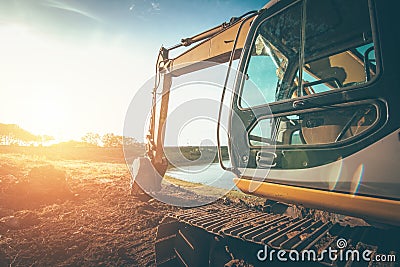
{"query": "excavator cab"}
pixel 319 70
pixel 316 101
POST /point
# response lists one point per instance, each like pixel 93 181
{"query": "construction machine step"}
pixel 220 235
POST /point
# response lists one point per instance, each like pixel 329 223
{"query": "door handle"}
pixel 266 159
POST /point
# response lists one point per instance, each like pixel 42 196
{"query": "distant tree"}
pixel 91 139
pixel 130 141
pixel 12 134
pixel 112 140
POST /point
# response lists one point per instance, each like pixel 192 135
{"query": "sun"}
pixel 32 93
pixel 64 86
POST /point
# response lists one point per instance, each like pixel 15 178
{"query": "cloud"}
pixel 143 9
pixel 67 7
pixel 155 6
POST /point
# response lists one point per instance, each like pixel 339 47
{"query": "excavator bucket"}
pixel 144 177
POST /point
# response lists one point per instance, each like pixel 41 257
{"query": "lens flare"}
pixel 357 178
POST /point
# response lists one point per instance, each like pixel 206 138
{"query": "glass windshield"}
pixel 338 52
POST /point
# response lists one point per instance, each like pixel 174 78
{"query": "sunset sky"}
pixel 71 67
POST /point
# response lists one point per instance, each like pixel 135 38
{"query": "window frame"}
pixel 379 107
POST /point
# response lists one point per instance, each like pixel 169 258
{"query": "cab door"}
pixel 310 98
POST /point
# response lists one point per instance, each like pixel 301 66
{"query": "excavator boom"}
pixel 216 46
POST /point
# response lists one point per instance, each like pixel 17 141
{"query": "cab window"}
pixel 330 50
pixel 339 52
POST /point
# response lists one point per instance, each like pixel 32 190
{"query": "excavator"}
pixel 318 108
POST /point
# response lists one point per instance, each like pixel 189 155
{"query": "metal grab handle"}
pixel 299 103
pixel 251 14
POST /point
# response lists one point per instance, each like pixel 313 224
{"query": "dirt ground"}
pixel 73 213
pixel 58 212
pixel 68 212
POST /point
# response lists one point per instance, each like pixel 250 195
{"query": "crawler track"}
pixel 216 235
